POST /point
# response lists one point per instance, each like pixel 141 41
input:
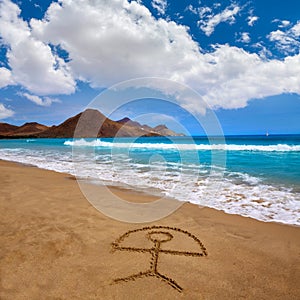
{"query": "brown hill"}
pixel 63 130
pixel 127 121
pixel 6 128
pixel 165 131
pixel 30 128
pixel 27 129
pixel 90 123
pixel 158 130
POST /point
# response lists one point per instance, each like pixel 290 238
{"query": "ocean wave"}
pixel 164 146
pixel 233 192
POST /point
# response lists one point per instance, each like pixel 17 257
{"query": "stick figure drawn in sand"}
pixel 157 235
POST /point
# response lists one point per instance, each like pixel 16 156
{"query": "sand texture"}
pixel 56 245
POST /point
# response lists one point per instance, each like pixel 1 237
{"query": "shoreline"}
pixel 119 189
pixel 146 195
pixel 55 244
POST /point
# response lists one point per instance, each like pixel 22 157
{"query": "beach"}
pixel 56 245
pixel 149 150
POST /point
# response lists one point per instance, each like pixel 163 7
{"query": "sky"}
pixel 241 57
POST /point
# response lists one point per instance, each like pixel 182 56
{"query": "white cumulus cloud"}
pixel 251 20
pixel 41 101
pixel 5 112
pixel 287 41
pixel 209 22
pixel 282 23
pixel 5 77
pixel 32 63
pixel 160 6
pixel 192 9
pixel 296 30
pixel 250 77
pixel 111 41
pixel 285 23
pixel 245 37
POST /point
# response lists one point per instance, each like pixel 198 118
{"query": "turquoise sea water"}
pixel 256 176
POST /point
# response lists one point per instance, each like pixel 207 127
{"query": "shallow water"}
pixel 255 176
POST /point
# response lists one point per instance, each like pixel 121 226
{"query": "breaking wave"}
pixel 164 146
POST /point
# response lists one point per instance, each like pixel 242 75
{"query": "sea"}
pixel 252 176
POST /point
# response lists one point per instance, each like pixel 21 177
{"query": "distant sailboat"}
pixel 267 133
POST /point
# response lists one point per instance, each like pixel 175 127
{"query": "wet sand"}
pixel 56 245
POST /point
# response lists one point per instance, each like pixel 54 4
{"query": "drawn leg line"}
pixel 169 281
pixel 134 277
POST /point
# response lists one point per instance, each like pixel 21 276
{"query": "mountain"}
pixel 165 131
pixel 30 129
pixel 6 128
pixel 90 123
pixel 159 130
pixel 24 130
pixel 129 122
pixel 63 130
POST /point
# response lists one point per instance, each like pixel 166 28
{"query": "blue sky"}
pixel 241 57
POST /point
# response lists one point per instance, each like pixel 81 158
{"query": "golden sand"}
pixel 56 245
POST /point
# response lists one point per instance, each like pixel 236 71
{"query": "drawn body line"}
pixel 157 236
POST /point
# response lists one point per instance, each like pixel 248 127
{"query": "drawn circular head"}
pixel 159 236
pixel 141 164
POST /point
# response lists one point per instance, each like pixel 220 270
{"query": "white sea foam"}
pixel 164 146
pixel 235 192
